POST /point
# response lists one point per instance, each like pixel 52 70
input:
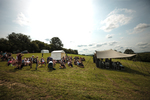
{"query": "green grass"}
pixel 75 83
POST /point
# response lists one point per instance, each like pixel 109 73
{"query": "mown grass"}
pixel 75 83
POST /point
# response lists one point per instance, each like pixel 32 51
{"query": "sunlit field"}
pixel 75 83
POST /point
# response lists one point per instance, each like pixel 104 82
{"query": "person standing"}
pixel 19 56
pixel 32 58
pixel 42 54
pixel 37 61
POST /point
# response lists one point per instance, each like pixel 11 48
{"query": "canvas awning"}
pixel 112 54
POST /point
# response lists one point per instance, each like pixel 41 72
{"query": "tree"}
pixel 119 51
pixel 76 51
pixel 4 45
pixel 41 45
pixel 34 47
pixel 56 43
pixel 129 51
pixel 19 41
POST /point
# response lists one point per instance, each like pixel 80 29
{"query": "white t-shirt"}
pixel 28 61
pixel 42 60
pixel 50 62
pixel 68 62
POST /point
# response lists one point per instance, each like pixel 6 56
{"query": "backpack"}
pixel 35 60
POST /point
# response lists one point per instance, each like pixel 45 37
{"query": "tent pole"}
pixel 110 62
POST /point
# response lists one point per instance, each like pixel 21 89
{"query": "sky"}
pixel 83 25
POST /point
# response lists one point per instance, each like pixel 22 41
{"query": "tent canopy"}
pixel 112 54
pixel 57 54
pixel 57 51
pixel 44 51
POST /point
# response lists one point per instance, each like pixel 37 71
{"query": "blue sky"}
pixel 85 25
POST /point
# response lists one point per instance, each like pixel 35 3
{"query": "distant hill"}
pixel 142 52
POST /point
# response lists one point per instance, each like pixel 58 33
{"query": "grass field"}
pixel 75 83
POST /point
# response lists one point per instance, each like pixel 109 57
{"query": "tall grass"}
pixel 75 83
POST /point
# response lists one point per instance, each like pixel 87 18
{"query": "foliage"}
pixel 129 51
pixel 56 43
pixel 17 42
pixel 143 57
pixel 4 45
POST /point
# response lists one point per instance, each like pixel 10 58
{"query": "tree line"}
pixel 17 42
pixel 139 56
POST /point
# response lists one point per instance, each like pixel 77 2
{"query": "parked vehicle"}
pixel 25 51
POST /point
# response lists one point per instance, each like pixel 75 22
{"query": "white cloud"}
pixel 141 44
pixel 129 11
pixel 101 44
pixel 118 47
pixel 82 45
pixel 121 37
pixel 144 46
pixel 47 40
pixel 128 47
pixel 112 43
pixel 22 20
pixel 85 49
pixel 139 28
pixel 109 35
pixel 116 18
pixel 92 44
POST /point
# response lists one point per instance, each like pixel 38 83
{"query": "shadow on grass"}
pixel 49 70
pixel 127 70
pixel 13 70
pixel 36 70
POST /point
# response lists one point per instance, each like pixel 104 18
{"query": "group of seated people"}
pixel 78 63
pixel 82 59
pixel 69 62
pixel 65 60
pixel 11 61
pixel 4 55
pixel 28 61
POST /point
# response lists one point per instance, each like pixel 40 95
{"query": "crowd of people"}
pixel 20 62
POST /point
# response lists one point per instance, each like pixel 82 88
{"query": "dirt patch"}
pixel 11 84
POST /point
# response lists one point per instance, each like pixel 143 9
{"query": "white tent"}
pixel 112 54
pixel 57 54
pixel 44 51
